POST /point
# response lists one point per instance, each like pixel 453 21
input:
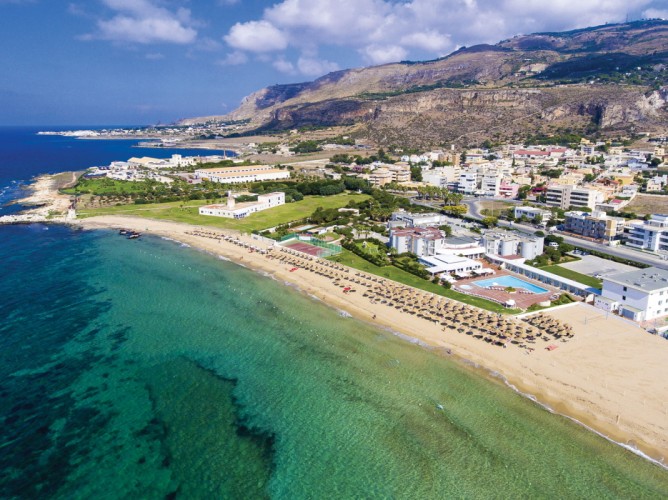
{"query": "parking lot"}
pixel 593 266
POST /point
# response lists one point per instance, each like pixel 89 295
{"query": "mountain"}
pixel 611 79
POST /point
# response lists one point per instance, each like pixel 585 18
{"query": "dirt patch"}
pixel 494 206
pixel 644 204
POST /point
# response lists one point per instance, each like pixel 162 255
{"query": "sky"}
pixel 143 62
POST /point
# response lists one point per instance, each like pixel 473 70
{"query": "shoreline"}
pixel 576 389
pixel 585 380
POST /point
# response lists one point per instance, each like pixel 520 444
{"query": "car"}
pixel 598 276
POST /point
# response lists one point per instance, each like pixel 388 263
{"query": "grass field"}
pixel 573 275
pixel 188 212
pixel 369 248
pixel 394 273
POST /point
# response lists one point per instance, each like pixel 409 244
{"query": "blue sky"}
pixel 148 61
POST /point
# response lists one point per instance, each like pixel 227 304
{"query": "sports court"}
pixel 303 247
pixel 310 246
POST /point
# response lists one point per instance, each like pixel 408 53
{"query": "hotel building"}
pixel 512 243
pixel 639 295
pixel 238 175
pixel 232 210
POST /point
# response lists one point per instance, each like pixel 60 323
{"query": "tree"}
pixel 455 209
pixel 416 174
pixel 490 221
pixel 523 191
pixel 307 147
pixel 447 229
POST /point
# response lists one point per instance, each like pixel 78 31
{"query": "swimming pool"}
pixel 510 281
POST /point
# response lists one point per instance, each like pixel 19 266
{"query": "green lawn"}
pixel 573 275
pixel 106 186
pixel 394 273
pixel 187 212
pixel 370 248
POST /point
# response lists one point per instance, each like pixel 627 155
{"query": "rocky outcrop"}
pixel 504 90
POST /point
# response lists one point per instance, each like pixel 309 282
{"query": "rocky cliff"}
pixel 611 78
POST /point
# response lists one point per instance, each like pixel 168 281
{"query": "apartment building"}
pixel 507 243
pixel 651 235
pixel 565 197
pixel 468 183
pixel 532 213
pixel 597 225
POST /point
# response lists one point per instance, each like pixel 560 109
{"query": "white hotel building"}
pixel 233 211
pixel 651 235
pixel 639 295
pixel 239 175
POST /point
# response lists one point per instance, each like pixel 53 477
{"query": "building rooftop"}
pixel 432 233
pixel 509 236
pixel 649 279
pixel 239 169
pixel 460 240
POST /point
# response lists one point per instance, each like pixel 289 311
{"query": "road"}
pixel 620 251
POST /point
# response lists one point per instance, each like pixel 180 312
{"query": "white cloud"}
pixel 256 36
pixel 315 67
pixel 654 13
pixel 381 54
pixel 391 30
pixel 284 66
pixel 142 21
pixel 431 40
pixel 233 59
pixel 155 56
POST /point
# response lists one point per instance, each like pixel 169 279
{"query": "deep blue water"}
pixel 24 155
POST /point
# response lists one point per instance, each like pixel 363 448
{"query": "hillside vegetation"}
pixel 608 78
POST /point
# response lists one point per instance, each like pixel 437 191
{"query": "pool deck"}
pixel 522 300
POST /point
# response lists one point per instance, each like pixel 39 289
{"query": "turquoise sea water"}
pixel 144 369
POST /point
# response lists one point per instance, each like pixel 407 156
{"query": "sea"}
pixel 148 369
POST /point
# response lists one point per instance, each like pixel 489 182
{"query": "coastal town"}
pixel 522 226
pixel 306 249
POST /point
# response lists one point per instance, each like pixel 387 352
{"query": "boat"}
pixel 123 231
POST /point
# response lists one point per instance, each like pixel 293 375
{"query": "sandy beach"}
pixel 611 376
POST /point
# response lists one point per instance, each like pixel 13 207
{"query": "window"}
pixel 623 297
pixel 624 288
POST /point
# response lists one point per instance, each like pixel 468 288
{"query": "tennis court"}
pixel 301 246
